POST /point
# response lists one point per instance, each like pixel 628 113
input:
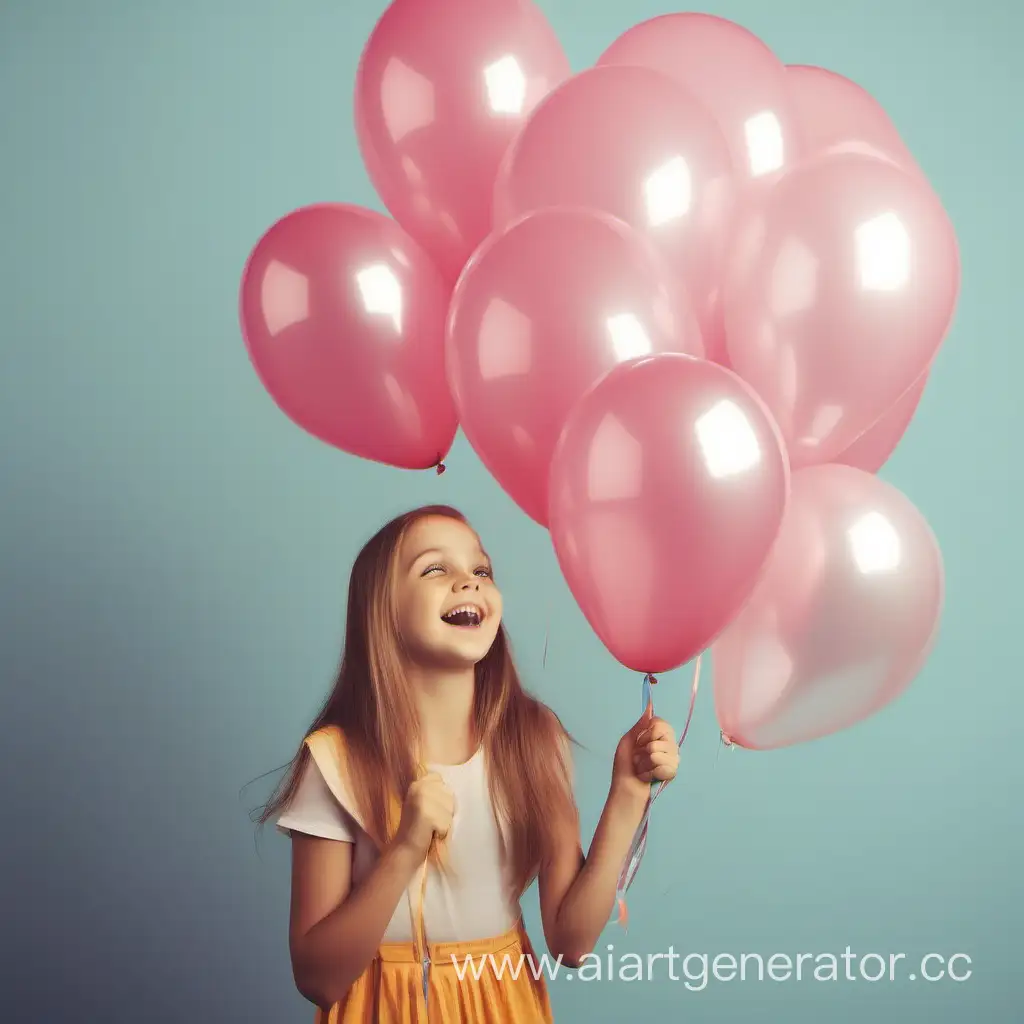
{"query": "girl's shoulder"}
pixel 328 739
pixel 329 752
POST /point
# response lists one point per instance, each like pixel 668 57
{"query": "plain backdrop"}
pixel 175 552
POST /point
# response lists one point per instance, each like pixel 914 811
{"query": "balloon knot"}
pixel 651 678
pixel 439 465
pixel 727 740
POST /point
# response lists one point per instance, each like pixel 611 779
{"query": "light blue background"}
pixel 175 552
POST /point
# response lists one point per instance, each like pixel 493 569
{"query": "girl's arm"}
pixel 577 893
pixel 335 931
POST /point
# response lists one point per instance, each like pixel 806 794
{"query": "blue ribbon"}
pixel 638 846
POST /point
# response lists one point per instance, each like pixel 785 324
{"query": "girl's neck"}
pixel 444 700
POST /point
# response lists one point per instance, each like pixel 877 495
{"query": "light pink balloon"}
pixel 733 73
pixel 540 314
pixel 838 116
pixel 872 449
pixel 668 488
pixel 343 317
pixel 629 141
pixel 442 88
pixel 843 619
pixel 837 295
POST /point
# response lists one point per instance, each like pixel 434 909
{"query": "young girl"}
pixel 431 790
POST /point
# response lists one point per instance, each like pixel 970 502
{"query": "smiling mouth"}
pixel 466 616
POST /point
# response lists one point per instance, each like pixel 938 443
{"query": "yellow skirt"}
pixel 501 982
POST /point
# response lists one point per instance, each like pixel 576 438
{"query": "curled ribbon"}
pixel 638 846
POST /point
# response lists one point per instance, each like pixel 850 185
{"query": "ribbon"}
pixel 437 856
pixel 421 933
pixel 638 846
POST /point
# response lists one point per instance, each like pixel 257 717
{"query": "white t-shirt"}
pixel 472 900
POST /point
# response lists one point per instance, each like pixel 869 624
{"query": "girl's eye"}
pixel 482 571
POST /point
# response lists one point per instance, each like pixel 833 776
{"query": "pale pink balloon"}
pixel 838 116
pixel 631 142
pixel 668 487
pixel 343 316
pixel 837 295
pixel 733 73
pixel 441 90
pixel 872 449
pixel 540 314
pixel 843 619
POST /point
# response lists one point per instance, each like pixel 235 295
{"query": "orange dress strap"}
pixel 328 749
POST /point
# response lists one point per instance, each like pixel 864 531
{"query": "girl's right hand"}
pixel 428 810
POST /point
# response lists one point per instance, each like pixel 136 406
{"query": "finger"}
pixel 644 720
pixel 646 762
pixel 648 771
pixel 441 813
pixel 439 790
pixel 659 729
pixel 660 747
pixel 657 756
pixel 442 804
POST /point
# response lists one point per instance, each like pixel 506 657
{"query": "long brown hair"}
pixel 524 741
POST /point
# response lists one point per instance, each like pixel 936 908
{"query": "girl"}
pixel 431 790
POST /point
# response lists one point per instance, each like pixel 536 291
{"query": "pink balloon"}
pixel 629 141
pixel 668 488
pixel 838 116
pixel 872 449
pixel 733 73
pixel 837 295
pixel 843 619
pixel 541 312
pixel 343 317
pixel 442 88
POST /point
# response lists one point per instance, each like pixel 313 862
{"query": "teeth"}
pixel 471 612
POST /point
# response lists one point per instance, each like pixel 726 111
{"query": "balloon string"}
pixel 421 936
pixel 547 628
pixel 638 846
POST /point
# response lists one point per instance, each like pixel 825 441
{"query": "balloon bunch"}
pixel 683 305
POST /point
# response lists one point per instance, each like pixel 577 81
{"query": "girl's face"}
pixel 448 606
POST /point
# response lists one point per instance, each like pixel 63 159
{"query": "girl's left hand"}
pixel 646 754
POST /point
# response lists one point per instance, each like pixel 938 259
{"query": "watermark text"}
pixel 698 970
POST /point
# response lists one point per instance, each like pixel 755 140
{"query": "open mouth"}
pixel 466 616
